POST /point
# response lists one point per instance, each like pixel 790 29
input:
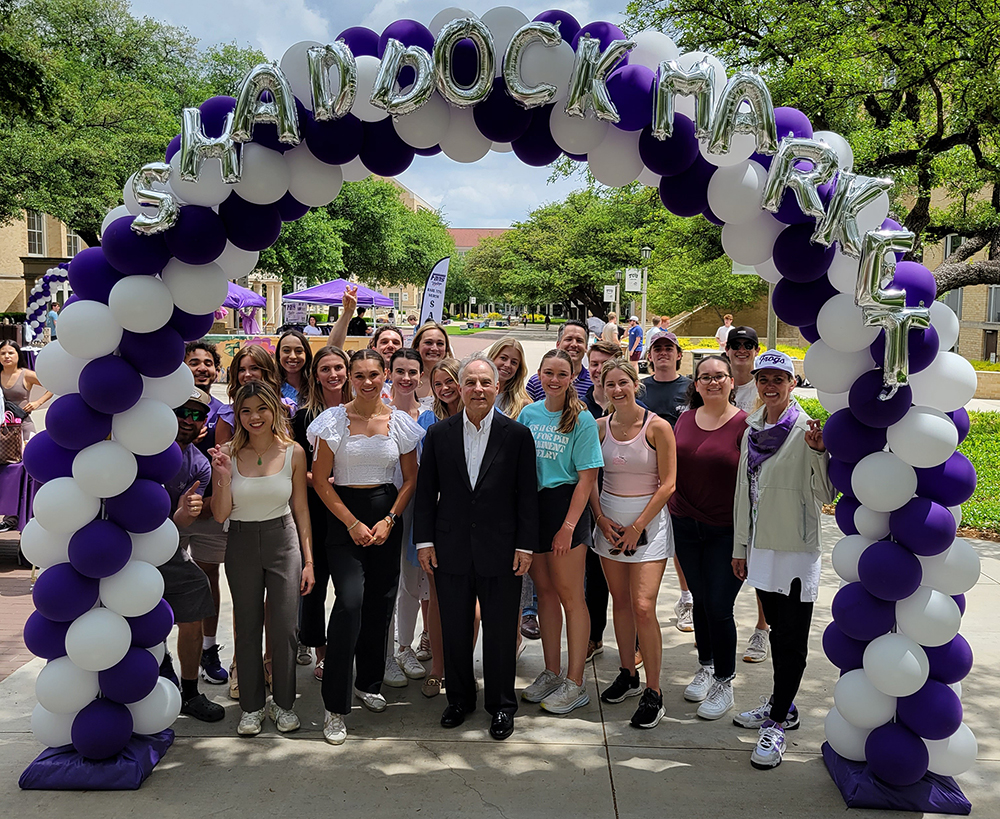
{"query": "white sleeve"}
pixel 330 425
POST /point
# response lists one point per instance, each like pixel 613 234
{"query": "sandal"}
pixel 267 673
pixel 431 686
pixel 318 671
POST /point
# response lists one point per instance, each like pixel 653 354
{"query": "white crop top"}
pixel 362 460
pixel 263 498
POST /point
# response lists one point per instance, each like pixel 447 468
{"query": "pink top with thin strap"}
pixel 630 467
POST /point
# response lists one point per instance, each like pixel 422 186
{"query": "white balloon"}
pixel 98 639
pixel 104 469
pixel 295 67
pixel 734 193
pixel 652 47
pixel 929 617
pixel 87 329
pixel 842 325
pixel 844 738
pixel 948 384
pixel 156 547
pixel 157 710
pixel 767 271
pixel 834 371
pixel 687 61
pixel 427 126
pixel 883 482
pixel 114 213
pixel 648 178
pixel 173 390
pixel 954 755
pixel 58 370
pixel 141 304
pixel 132 205
pixel 503 23
pixel 956 512
pixel 844 151
pixel 464 142
pixel 871 524
pixel 740 150
pixel 265 175
pixel 833 401
pixel 445 16
pixel 148 428
pixel 134 590
pixel 237 263
pixel 62 687
pixel 944 320
pixel 953 571
pixel 62 506
pixel 501 147
pixel 363 109
pixel 896 665
pixel 52 730
pixel 548 65
pixel 751 242
pixel 312 182
pixel 616 162
pixel 843 273
pixel 957 688
pixel 845 556
pixel 872 215
pixel 43 548
pixel 159 651
pixel 210 189
pixel 860 702
pixel 576 135
pixel 924 437
pixel 355 170
pixel 195 288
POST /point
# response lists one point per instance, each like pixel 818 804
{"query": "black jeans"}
pixel 596 592
pixel 789 619
pixel 312 608
pixel 706 554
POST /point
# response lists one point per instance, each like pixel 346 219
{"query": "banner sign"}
pixel 432 307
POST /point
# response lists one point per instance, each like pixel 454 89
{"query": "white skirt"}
pixel 625 511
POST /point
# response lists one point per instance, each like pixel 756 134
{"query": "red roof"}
pixel 468 238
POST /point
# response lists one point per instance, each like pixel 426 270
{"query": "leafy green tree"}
pixel 459 287
pixel 311 247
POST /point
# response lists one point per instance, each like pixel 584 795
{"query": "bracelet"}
pixel 598 521
pixel 225 484
pixel 637 531
pixel 308 563
pixel 356 522
pixel 389 520
pixel 570 526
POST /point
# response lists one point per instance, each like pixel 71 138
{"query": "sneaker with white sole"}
pixel 762 713
pixel 424 648
pixel 625 685
pixel 334 729
pixel 719 700
pixel 684 612
pixel 250 723
pixel 211 667
pixel 284 719
pixel 770 746
pixel 407 660
pixel 756 650
pixel 697 689
pixel 566 698
pixel 394 676
pixel 373 702
pixel 650 710
pixel 544 684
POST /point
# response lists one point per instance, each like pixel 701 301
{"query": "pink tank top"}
pixel 630 466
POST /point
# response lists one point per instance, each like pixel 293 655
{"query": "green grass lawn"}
pixel 454 330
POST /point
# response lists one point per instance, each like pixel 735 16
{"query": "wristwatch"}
pixel 393 518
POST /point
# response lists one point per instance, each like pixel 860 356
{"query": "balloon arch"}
pixel 630 108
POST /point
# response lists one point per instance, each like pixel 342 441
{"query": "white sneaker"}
pixel 250 723
pixel 770 747
pixel 719 700
pixel 697 689
pixel 284 719
pixel 684 612
pixel 424 647
pixel 407 660
pixel 373 702
pixel 394 676
pixel 566 697
pixel 544 684
pixel 756 651
pixel 334 729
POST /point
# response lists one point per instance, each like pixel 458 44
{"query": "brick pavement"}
pixel 15 606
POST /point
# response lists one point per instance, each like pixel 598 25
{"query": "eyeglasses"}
pixel 742 345
pixel 190 414
pixel 713 379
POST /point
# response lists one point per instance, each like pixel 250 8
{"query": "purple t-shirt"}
pixel 707 463
pixel 194 467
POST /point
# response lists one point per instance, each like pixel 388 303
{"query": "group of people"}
pixel 419 483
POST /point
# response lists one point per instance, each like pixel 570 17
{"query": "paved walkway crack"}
pixel 607 749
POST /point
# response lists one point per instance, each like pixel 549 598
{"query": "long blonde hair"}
pixel 572 406
pixel 263 359
pixel 272 400
pixel 450 366
pixel 513 396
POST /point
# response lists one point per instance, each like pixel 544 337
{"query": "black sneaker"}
pixel 650 710
pixel 201 707
pixel 625 685
pixel 211 669
pixel 167 670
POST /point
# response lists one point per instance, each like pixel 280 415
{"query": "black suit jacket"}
pixel 477 529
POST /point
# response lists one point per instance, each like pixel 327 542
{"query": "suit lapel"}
pixel 456 443
pixel 498 431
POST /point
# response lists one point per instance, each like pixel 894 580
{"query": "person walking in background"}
pixel 52 319
pixel 595 325
pixel 634 339
pixel 649 334
pixel 722 334
pixel 610 331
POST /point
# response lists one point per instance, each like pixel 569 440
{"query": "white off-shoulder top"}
pixel 362 460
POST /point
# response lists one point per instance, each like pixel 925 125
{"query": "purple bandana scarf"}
pixel 763 443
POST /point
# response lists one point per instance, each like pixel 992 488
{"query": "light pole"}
pixel 618 294
pixel 646 253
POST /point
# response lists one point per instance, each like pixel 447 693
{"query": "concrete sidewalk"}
pixel 590 763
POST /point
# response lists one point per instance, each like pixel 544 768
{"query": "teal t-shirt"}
pixel 559 457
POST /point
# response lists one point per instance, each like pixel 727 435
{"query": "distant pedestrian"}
pixel 610 331
pixel 722 334
pixel 548 322
pixel 51 318
pixel 634 339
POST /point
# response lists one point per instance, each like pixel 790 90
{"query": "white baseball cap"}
pixel 774 360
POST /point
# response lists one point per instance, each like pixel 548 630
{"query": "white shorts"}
pixel 625 511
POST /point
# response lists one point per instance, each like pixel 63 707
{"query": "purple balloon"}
pixel 844 513
pixel 799 303
pixel 798 258
pixel 860 614
pixel 133 678
pixel 161 467
pixel 335 142
pixel 850 440
pixel 465 62
pixel 383 152
pixel 951 483
pixel 434 150
pixel 896 755
pixel 153 627
pixel 631 90
pixel 568 24
pixel 923 526
pixel 922 348
pixel 132 254
pixel 45 460
pixel 810 333
pixel 250 227
pixel 962 422
pixel 535 146
pixel 101 729
pixel 110 384
pixel 951 662
pixel 960 602
pixel 889 571
pixel 840 474
pixel 844 652
pixel 762 159
pixel 190 327
pixel 198 237
pixel 362 41
pixel 711 217
pixel 71 300
pixel 603 32
pixel 917 281
pixel 73 424
pixel 790 213
pixel 213 114
pixel 409 33
pixel 154 354
pixel 673 155
pixel 869 409
pixel 291 208
pixel 141 508
pixel 99 549
pixel 686 193
pixel 265 134
pixel 91 276
pixel 45 638
pixel 934 712
pixel 791 121
pixel 172 148
pixel 499 118
pixel 62 594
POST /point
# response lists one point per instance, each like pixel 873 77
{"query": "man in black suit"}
pixel 475 524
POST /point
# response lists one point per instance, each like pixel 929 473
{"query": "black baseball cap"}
pixel 738 333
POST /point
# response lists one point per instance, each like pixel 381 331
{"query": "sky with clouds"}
pixel 493 192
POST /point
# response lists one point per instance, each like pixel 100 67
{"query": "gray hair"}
pixel 472 359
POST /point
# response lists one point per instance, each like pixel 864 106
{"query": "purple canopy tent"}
pixel 245 302
pixel 333 293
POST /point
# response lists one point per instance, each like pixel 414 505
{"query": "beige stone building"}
pixel 28 247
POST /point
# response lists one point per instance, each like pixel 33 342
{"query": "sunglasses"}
pixel 742 345
pixel 190 414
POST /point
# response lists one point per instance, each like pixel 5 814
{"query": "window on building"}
pixel 953 298
pixel 36 233
pixel 406 297
pixel 73 244
pixel 395 300
pixel 952 242
pixel 993 303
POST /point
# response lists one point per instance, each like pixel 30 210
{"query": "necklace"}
pixel 376 414
pixel 260 455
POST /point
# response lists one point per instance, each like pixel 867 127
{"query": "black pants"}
pixel 365 579
pixel 789 620
pixel 596 591
pixel 312 609
pixel 706 555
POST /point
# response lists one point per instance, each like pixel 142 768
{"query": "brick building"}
pixel 29 246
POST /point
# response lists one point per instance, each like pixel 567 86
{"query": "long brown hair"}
pixel 272 400
pixel 572 406
pixel 513 396
pixel 450 366
pixel 263 359
pixel 316 403
pixel 305 393
pixel 432 325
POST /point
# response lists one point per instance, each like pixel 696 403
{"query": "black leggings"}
pixel 789 619
pixel 312 609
